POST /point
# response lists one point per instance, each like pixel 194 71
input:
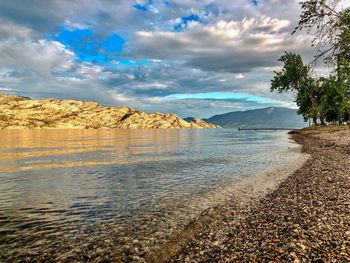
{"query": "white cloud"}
pixel 5 89
pixel 155 85
pixel 41 57
pixel 231 46
pixel 20 52
pixel 88 70
pixel 75 25
pixel 239 76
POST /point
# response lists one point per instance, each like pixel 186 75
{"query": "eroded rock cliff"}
pixel 18 112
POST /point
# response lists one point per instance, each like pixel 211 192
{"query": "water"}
pixel 97 195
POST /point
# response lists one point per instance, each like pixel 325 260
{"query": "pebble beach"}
pixel 305 218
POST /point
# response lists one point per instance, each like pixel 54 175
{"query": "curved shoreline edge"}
pixel 305 219
pixel 246 193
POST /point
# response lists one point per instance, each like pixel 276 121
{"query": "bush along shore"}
pixel 306 219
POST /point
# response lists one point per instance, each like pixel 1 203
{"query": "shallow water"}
pixel 112 194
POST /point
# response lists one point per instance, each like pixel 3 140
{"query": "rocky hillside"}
pixel 201 123
pixel 24 113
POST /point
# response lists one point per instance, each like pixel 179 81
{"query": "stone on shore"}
pixel 306 219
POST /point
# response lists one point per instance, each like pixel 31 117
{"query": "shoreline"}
pixel 244 192
pixel 306 217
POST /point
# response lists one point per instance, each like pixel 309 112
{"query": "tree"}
pixel 320 98
pixel 343 85
pixel 331 98
pixel 296 77
pixel 293 75
pixel 330 28
pixel 343 39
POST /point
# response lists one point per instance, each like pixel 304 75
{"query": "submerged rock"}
pixel 18 112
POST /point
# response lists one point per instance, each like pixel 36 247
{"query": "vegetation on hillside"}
pixel 320 98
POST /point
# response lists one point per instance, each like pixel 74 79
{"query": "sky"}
pixel 189 57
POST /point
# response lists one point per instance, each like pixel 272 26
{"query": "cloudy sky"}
pixel 191 57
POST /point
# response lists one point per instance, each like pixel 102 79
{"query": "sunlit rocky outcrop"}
pixel 18 112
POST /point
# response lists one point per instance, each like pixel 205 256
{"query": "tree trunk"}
pixel 323 123
pixel 314 121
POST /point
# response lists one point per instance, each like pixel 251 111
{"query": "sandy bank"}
pixel 305 219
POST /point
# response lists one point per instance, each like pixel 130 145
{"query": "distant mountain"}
pixel 272 117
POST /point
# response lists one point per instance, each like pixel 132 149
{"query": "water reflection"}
pixel 112 194
pixel 42 149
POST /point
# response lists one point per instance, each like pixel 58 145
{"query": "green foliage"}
pixel 293 75
pixel 296 77
pixel 320 98
pixel 343 84
pixel 321 19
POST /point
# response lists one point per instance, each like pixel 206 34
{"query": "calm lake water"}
pixel 83 195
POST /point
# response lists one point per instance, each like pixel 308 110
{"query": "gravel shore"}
pixel 306 219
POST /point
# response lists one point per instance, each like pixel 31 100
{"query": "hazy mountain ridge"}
pixel 18 112
pixel 271 117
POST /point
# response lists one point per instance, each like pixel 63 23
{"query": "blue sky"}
pixel 89 48
pixel 189 57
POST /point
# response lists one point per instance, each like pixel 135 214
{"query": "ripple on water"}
pixel 90 194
